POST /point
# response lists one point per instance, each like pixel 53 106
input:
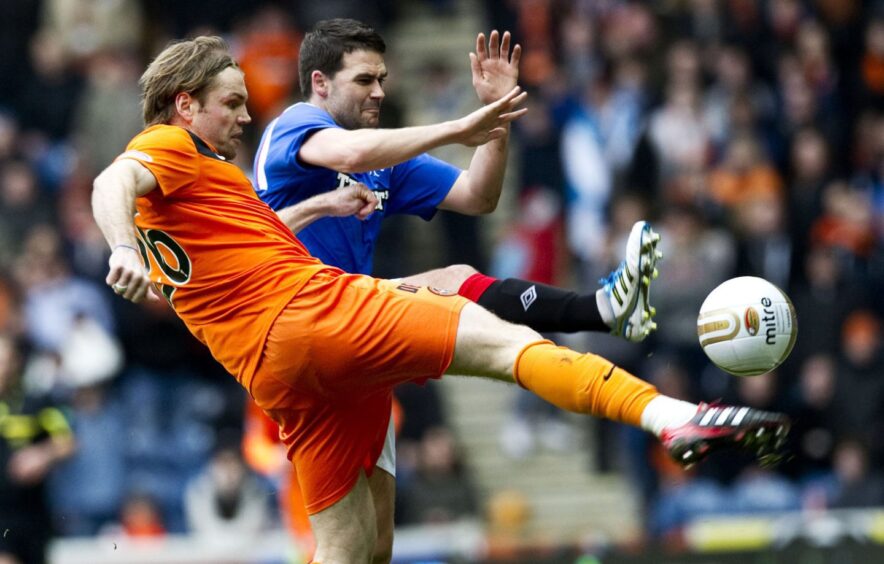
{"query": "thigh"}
pixel 450 278
pixel 346 531
pixel 487 345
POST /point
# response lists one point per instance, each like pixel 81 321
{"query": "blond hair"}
pixel 186 66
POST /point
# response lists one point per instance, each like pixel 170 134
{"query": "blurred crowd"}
pixel 751 132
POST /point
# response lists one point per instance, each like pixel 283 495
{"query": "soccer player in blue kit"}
pixel 330 146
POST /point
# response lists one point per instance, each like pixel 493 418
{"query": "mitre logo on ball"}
pixel 747 326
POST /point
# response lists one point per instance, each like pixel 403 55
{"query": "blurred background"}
pixel 751 132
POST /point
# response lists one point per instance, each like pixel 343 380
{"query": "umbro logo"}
pixel 528 297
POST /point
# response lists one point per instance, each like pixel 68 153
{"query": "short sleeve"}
pixel 169 153
pixel 420 184
pixel 277 157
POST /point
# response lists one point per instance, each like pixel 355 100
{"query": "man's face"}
pixel 356 91
pixel 220 118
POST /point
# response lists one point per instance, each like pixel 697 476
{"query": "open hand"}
pixel 495 70
pixel 490 122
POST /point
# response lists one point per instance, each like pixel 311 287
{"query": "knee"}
pixel 459 272
pixel 521 335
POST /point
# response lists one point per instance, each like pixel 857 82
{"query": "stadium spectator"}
pixel 22 205
pixel 50 94
pixel 764 247
pixel 141 517
pixel 90 490
pixel 441 490
pixel 265 453
pixel 816 415
pixel 267 52
pixel 226 500
pixel 34 438
pixel 809 170
pixel 699 256
pixel 107 113
pixel 85 28
pixel 55 298
pixel 743 174
pixel 860 388
pixel 858 481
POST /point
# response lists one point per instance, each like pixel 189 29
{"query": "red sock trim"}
pixel 474 286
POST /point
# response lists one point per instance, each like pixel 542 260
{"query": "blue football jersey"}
pixel 416 187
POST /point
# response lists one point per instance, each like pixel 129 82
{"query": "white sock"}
pixel 604 305
pixel 663 411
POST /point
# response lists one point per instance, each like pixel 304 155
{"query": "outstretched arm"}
pixel 495 70
pixel 351 200
pixel 362 150
pixel 113 206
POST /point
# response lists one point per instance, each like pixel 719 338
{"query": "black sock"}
pixel 541 307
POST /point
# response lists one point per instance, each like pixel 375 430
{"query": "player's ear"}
pixel 184 105
pixel 320 83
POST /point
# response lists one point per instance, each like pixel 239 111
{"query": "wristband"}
pixel 125 247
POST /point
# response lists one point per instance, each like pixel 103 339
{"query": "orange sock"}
pixel 582 383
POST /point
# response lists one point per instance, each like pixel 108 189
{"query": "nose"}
pixel 377 91
pixel 245 117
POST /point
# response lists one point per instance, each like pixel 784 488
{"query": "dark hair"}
pixel 184 66
pixel 323 49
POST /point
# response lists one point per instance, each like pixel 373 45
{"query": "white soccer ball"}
pixel 747 326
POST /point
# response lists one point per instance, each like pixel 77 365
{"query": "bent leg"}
pixel 539 306
pixel 347 531
pixel 382 483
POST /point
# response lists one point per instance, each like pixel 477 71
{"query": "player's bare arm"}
pixel 362 150
pixel 113 203
pixel 495 70
pixel 356 200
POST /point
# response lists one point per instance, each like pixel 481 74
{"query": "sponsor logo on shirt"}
pixel 345 180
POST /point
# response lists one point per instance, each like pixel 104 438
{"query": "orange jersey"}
pixel 318 349
pixel 222 257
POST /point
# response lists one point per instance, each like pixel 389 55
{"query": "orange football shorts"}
pixel 330 362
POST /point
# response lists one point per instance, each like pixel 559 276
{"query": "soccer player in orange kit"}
pixel 318 349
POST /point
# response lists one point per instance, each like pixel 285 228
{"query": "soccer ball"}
pixel 747 326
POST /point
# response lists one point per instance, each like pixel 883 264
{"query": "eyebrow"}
pixel 370 75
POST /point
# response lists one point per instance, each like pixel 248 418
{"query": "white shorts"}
pixel 387 459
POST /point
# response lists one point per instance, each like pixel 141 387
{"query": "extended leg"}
pixel 590 384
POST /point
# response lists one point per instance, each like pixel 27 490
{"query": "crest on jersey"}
pixel 440 291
